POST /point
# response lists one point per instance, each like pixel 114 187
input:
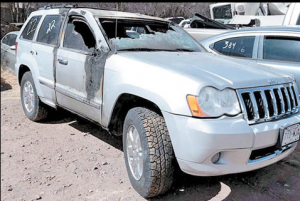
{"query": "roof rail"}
pixel 62 6
pixel 70 6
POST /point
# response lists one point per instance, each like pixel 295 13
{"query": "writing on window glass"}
pixel 229 45
pixel 51 26
pixel 32 27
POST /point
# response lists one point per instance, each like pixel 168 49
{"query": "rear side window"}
pixel 238 47
pixel 9 39
pixel 298 21
pixel 12 39
pixel 49 30
pixel 30 28
pixel 282 48
pixel 5 39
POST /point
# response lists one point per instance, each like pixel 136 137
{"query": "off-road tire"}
pixel 158 167
pixel 40 110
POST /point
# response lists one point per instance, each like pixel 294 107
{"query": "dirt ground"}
pixel 67 158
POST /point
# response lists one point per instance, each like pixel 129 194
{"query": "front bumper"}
pixel 196 141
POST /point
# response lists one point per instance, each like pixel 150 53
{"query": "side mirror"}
pixel 13 47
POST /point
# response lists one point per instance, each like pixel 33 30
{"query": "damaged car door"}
pixel 80 68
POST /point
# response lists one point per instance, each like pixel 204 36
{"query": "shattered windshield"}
pixel 137 35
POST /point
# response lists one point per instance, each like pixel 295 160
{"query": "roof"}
pixel 106 13
pixel 255 30
pixel 117 14
pixel 268 28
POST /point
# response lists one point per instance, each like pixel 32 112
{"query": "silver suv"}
pixel 168 97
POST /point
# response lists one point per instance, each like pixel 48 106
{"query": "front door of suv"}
pixel 80 69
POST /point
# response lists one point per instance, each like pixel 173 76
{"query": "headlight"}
pixel 212 102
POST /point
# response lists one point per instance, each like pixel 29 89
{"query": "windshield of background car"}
pixel 138 35
pixel 222 12
pixel 176 20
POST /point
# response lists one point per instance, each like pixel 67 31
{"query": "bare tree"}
pixel 21 11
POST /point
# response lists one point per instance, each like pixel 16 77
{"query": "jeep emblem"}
pixel 273 82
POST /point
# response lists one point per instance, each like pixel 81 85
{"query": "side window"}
pixel 282 48
pixel 298 21
pixel 12 39
pixel 78 36
pixel 30 28
pixel 238 47
pixel 5 40
pixel 49 30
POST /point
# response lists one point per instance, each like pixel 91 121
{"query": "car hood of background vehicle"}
pixel 210 69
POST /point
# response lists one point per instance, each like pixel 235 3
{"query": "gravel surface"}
pixel 68 158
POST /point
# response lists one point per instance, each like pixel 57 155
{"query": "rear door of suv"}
pixel 24 51
pixel 44 51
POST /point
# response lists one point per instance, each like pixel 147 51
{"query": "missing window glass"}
pixel 79 36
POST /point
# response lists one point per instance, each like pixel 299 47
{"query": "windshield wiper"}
pixel 152 50
pixel 144 49
pixel 185 50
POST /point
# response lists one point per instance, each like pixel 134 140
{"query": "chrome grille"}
pixel 269 103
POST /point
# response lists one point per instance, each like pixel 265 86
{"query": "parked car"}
pixel 8 58
pixel 162 91
pixel 276 47
pixel 185 23
pixel 292 16
pixel 202 27
pixel 7 27
pixel 176 20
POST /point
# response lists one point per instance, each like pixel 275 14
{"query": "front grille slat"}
pixel 255 108
pixel 292 99
pixel 274 104
pixel 296 100
pixel 288 101
pixel 268 103
pixel 266 106
pixel 281 102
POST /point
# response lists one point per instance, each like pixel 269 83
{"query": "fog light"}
pixel 216 157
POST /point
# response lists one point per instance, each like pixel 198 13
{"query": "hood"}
pixel 212 70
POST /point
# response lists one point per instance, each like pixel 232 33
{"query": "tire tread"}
pixel 161 151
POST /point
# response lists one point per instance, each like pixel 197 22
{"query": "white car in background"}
pixel 8 47
pixel 277 47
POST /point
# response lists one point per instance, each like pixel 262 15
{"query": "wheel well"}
pixel 23 69
pixel 124 103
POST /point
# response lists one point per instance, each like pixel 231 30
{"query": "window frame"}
pixel 59 31
pixel 36 30
pixel 64 31
pixel 261 45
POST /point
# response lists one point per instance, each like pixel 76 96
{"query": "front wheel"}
pixel 148 152
pixel 33 108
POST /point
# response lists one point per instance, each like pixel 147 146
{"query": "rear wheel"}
pixel 148 152
pixel 33 108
